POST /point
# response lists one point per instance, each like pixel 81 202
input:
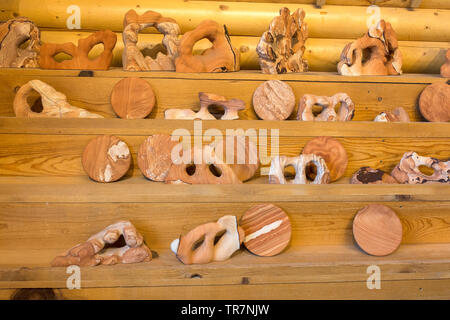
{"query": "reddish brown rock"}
pixel 434 102
pixel 367 175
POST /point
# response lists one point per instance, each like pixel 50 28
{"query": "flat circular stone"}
pixel 273 100
pixel 434 102
pixel 106 159
pixel 332 152
pixel 155 156
pixel 377 230
pixel 267 230
pixel 132 98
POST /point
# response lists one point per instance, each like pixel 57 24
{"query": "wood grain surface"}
pixel 377 230
pixel 132 98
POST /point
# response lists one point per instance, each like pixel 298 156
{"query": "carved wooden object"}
pixel 397 115
pixel 407 171
pixel 332 152
pixel 190 249
pixel 300 164
pixel 132 57
pixel 99 249
pixel 155 156
pixel 267 230
pixel 376 53
pixel 445 69
pixel 367 175
pixel 281 48
pixel 434 102
pixel 132 98
pixel 377 230
pixel 231 108
pixel 54 103
pixel 328 104
pixel 106 159
pixel 273 100
pixel 13 34
pixel 221 57
pixel 79 54
pixel 204 170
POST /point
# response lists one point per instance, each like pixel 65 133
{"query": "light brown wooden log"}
pixel 321 54
pixel 241 18
pixel 371 95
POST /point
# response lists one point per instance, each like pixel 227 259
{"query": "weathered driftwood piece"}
pixel 155 156
pixel 367 175
pixel 377 230
pixel 434 102
pixel 267 230
pixel 273 100
pixel 106 159
pixel 132 98
pixel 206 170
pixel 79 54
pixel 445 69
pixel 221 57
pixel 328 104
pixel 54 103
pixel 240 153
pixel 300 164
pixel 332 151
pixel 231 108
pixel 13 34
pixel 376 53
pixel 95 250
pixel 407 171
pixel 211 249
pixel 281 48
pixel 397 115
pixel 132 57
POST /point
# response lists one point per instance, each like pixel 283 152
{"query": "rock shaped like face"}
pixel 93 251
pixel 216 241
pixel 377 230
pixel 106 159
pixel 345 112
pixel 267 230
pixel 79 54
pixel 221 57
pixel 273 100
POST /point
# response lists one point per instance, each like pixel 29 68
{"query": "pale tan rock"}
pixel 376 53
pixel 273 100
pixel 54 103
pixel 407 171
pixel 300 164
pixel 397 115
pixel 220 57
pixel 14 33
pixel 93 251
pixel 208 251
pixel 132 57
pixel 328 104
pixel 281 48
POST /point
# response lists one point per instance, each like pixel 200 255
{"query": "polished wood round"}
pixel 106 159
pixel 267 230
pixel 132 98
pixel 434 102
pixel 332 152
pixel 155 156
pixel 377 230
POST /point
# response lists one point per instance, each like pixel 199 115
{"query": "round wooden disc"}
pixel 267 230
pixel 332 152
pixel 132 98
pixel 273 100
pixel 155 156
pixel 106 159
pixel 434 102
pixel 377 230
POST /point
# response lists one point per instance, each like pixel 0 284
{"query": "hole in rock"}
pixel 289 173
pixel 425 170
pixel 215 170
pixel 34 100
pixel 24 44
pixel 118 244
pixel 311 171
pixel 367 54
pixel 62 56
pixel 96 51
pixel 317 109
pixel 218 236
pixel 216 110
pixel 190 169
pixel 198 243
